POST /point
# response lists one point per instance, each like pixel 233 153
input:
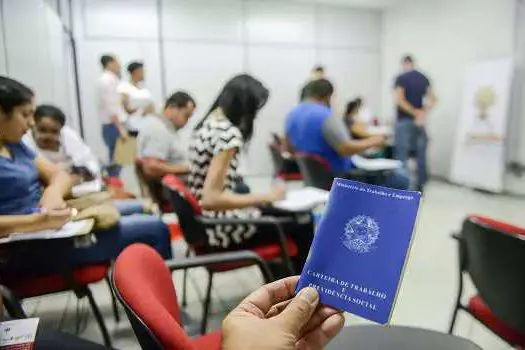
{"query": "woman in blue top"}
pixel 32 191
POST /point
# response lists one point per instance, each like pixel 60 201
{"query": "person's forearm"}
pixel 229 200
pixel 157 169
pixel 359 130
pixel 59 185
pixel 407 107
pixel 359 146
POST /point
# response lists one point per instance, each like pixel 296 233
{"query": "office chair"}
pixel 492 253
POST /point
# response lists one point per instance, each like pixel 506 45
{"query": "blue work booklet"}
pixel 360 248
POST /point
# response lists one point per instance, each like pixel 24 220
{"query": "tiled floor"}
pixel 426 298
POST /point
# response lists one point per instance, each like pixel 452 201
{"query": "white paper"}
pixel 376 164
pixel 87 188
pixel 18 332
pixel 70 229
pixel 304 199
pixel 379 130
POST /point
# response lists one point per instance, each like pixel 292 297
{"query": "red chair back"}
pixel 187 208
pixel 493 254
pixel 143 284
pixel 316 170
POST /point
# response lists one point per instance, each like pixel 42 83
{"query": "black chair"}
pixel 284 164
pixel 194 226
pixel 318 173
pixel 492 253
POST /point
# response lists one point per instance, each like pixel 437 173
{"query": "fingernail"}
pixel 309 294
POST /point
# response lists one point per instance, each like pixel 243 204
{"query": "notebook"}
pixel 377 164
pixel 360 248
pixel 87 188
pixel 70 229
pixel 303 199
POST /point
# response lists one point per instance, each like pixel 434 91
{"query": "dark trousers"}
pixel 37 258
pixel 412 139
pixel 110 134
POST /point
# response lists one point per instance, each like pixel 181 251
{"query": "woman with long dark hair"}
pixel 214 153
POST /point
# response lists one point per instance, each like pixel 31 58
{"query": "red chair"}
pixel 194 226
pixel 76 280
pixel 492 253
pixel 142 282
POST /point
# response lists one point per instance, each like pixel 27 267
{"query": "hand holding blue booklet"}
pixel 360 248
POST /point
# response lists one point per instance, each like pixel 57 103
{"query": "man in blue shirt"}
pixel 311 127
pixel 414 98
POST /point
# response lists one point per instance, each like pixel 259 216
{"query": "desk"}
pixel 397 338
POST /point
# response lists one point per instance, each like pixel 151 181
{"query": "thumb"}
pixel 299 311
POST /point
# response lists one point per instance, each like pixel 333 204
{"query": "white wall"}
pixel 206 42
pixel 444 36
pixel 36 52
pixel 3 57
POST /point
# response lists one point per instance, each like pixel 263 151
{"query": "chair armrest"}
pixel 277 222
pixel 209 260
pixel 456 236
pixel 263 220
pixel 12 304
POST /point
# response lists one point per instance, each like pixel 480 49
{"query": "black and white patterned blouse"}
pixel 218 134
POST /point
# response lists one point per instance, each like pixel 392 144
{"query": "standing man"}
pixel 414 99
pixel 316 74
pixel 159 145
pixel 111 113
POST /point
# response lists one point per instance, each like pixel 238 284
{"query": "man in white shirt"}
pixel 111 113
pixel 136 99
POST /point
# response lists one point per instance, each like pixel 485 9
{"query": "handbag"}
pixel 96 206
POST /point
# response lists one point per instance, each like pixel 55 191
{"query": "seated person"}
pixel 215 147
pixel 312 128
pixel 358 120
pixel 159 144
pixel 52 139
pixel 33 191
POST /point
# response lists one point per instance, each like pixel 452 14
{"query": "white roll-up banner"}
pixel 478 160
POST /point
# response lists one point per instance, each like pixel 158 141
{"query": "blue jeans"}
pixel 110 134
pixel 410 140
pixel 128 206
pixel 131 229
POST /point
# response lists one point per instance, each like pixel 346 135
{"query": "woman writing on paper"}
pixel 33 189
pixel 214 151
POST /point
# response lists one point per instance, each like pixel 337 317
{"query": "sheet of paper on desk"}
pixel 87 188
pixel 18 334
pixel 360 248
pixel 376 164
pixel 70 229
pixel 303 199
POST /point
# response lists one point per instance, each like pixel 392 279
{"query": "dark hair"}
pixel 106 59
pixel 353 105
pixel 319 69
pixel 13 94
pixel 321 88
pixel 179 99
pixel 240 100
pixel 134 66
pixel 52 112
pixel 408 59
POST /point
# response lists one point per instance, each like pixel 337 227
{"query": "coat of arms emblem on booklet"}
pixel 360 248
